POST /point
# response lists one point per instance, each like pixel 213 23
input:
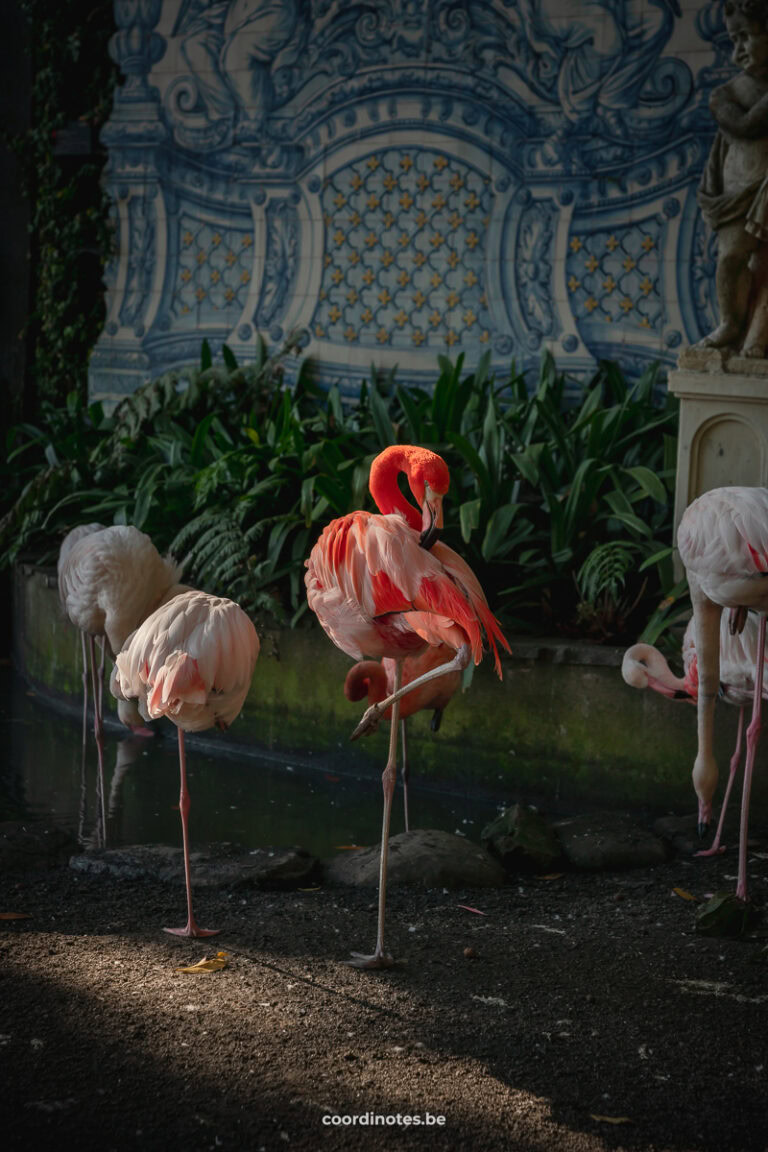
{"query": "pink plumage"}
pixel 376 592
pixel 192 660
pixel 385 586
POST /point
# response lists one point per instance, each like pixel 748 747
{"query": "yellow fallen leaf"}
pixel 207 964
pixel 611 1119
pixel 15 916
pixel 681 892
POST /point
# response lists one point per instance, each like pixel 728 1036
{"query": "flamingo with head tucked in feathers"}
pixel 376 680
pixel 192 660
pixel 385 586
pixel 723 543
pixel 644 666
pixel 110 579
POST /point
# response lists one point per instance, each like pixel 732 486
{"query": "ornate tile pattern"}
pixel 613 275
pixel 405 252
pixel 214 269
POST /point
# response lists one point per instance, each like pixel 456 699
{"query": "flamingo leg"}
pixel 707 620
pixel 373 714
pixel 716 846
pixel 380 959
pixel 103 647
pixel 99 734
pixel 753 735
pixel 191 927
pixel 85 688
pixel 404 771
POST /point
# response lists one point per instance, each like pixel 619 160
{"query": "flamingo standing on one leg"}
pixel 110 579
pixel 723 543
pixel 376 679
pixel 383 586
pixel 192 660
pixel 644 666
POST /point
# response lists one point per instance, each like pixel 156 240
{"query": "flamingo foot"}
pixel 715 850
pixel 377 960
pixel 191 929
pixel 369 722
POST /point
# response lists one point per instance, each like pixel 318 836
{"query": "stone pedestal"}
pixel 723 424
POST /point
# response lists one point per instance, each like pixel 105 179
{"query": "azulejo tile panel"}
pixel 399 180
pixel 404 252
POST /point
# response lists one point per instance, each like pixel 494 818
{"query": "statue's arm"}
pixel 747 123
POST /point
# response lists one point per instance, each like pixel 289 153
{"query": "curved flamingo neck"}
pixel 368 678
pixel 384 487
pixel 649 664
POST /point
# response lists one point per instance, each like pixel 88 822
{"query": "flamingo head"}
pixel 428 479
pixel 643 666
pixel 704 783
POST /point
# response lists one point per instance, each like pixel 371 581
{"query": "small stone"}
pixel 469 953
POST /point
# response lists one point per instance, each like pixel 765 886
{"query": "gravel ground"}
pixel 587 1015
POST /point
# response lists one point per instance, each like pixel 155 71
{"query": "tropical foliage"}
pixel 563 509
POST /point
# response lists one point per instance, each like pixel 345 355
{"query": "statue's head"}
pixel 754 12
pixel 747 24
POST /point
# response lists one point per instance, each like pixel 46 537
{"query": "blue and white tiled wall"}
pixel 404 178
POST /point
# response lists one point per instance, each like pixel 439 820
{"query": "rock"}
pixel 425 856
pixel 609 840
pixel 522 840
pixel 33 844
pixel 682 833
pixel 216 866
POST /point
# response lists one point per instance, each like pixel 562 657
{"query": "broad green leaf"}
pixel 650 483
pixel 469 518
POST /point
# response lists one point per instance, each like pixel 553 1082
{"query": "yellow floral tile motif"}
pixel 406 229
pixel 214 267
pixel 614 275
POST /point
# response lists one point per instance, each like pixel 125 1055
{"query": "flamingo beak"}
pixel 705 818
pixel 432 517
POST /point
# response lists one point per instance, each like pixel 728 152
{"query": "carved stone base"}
pixel 721 360
pixel 723 424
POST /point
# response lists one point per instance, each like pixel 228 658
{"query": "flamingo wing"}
pixel 725 532
pixel 377 592
pixel 191 660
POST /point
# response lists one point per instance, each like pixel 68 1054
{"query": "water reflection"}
pixel 249 800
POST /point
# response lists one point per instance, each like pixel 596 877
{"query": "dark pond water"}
pixel 252 800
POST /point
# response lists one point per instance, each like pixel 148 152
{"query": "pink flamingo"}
pixel 644 667
pixel 376 680
pixel 383 586
pixel 723 543
pixel 109 579
pixel 192 660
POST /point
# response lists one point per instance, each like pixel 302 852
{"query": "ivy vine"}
pixel 73 80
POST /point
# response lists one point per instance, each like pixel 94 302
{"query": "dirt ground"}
pixel 590 1017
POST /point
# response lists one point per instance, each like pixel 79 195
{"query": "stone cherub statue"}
pixel 734 187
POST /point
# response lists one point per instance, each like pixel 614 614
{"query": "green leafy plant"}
pixel 563 508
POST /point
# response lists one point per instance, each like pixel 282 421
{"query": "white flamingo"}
pixel 644 666
pixel 110 579
pixel 723 543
